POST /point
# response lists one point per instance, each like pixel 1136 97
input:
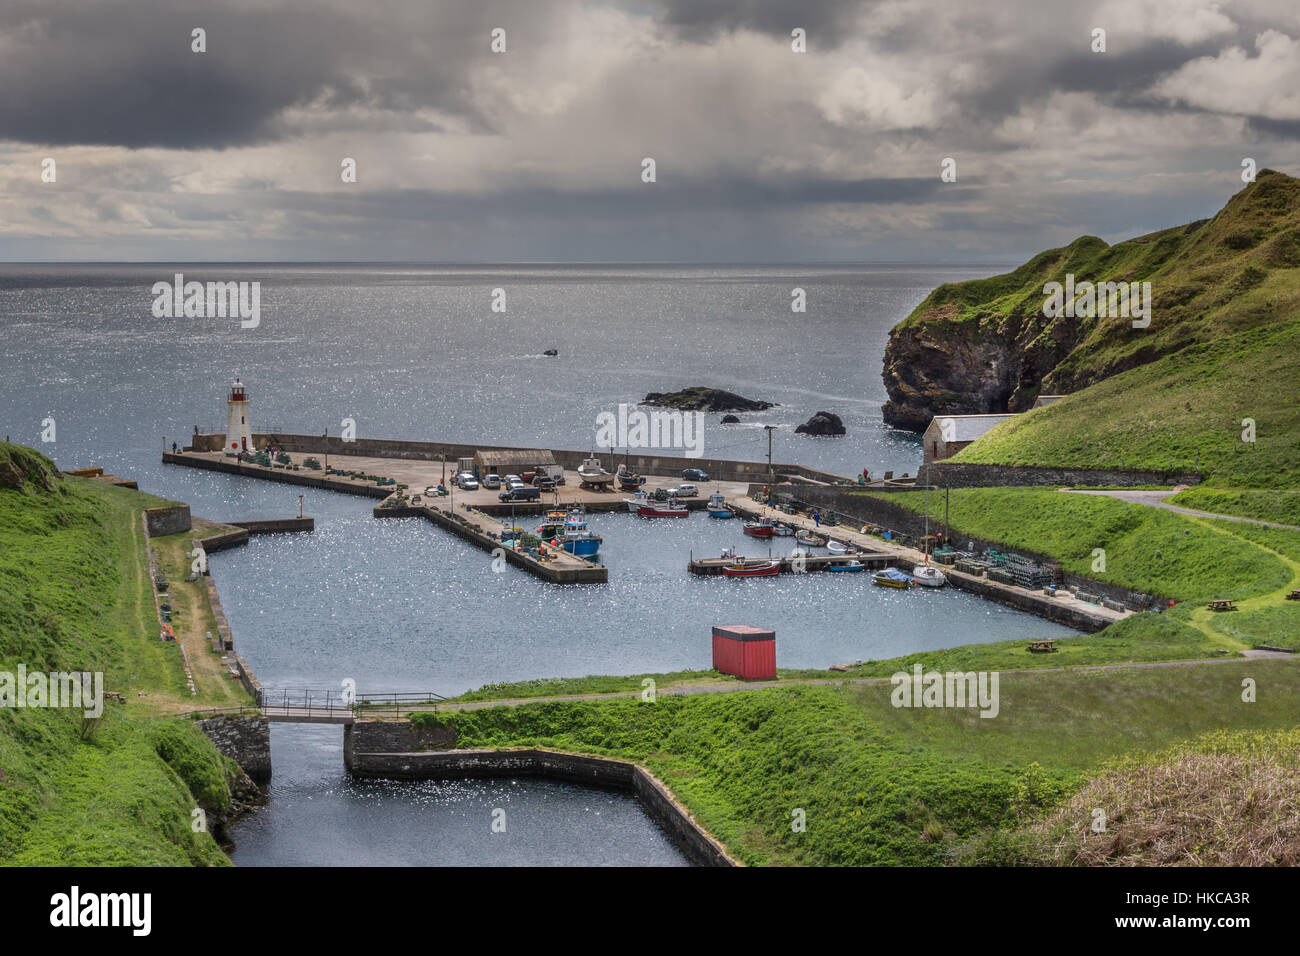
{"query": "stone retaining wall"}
pixel 245 740
pixel 169 519
pixel 970 475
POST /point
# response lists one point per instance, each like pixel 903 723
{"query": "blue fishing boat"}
pixel 717 507
pixel 846 566
pixel 579 540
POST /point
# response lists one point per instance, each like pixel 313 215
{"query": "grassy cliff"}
pixel 1223 345
pixel 75 595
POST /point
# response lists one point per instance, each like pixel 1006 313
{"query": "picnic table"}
pixel 1042 647
pixel 1222 606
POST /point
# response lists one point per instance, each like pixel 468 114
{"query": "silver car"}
pixel 466 481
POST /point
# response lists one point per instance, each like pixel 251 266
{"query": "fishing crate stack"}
pixel 1010 568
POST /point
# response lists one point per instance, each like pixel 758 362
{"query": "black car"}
pixel 521 494
pixel 694 474
pixel 544 483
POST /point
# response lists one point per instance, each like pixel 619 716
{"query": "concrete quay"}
pixel 1068 611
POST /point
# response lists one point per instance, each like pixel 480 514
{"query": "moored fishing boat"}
pixel 892 578
pixel 637 500
pixel 757 568
pixel 811 539
pixel 781 529
pixel 552 524
pixel 579 540
pixel 717 507
pixel 662 509
pixel 836 546
pixel 927 575
pixel 846 566
pixel 759 528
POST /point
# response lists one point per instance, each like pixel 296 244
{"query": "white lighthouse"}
pixel 239 434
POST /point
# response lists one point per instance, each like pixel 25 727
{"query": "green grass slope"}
pixel 75 595
pixel 881 785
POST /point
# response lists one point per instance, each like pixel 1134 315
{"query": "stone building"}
pixel 948 434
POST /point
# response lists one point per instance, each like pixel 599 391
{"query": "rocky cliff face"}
pixel 987 345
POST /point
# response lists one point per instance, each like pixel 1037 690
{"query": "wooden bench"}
pixel 1042 647
pixel 1222 606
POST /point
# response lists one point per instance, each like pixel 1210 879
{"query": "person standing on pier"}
pixel 817 519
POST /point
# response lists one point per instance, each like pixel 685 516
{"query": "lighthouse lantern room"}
pixel 239 434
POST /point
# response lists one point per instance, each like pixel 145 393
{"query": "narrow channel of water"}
pixel 318 816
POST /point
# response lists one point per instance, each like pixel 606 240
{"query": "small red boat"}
pixel 762 528
pixel 661 509
pixel 740 568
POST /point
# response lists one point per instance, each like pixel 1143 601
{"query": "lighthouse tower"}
pixel 239 434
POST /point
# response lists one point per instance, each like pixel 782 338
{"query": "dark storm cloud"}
pixel 701 20
pixel 124 73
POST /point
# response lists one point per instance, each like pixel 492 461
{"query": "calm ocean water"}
pixel 416 352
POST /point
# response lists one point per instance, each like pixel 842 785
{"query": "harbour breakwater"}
pixel 720 469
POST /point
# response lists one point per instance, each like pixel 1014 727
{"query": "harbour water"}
pixel 416 352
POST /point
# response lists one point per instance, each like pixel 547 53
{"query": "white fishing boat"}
pixel 593 475
pixel 782 530
pixel 835 546
pixel 927 575
pixel 638 499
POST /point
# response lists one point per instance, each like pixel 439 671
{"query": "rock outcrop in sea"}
pixel 698 398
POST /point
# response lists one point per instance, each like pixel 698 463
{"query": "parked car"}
pixel 508 480
pixel 512 483
pixel 686 491
pixel 545 483
pixel 522 493
pixel 492 482
pixel 466 481
pixel 694 474
pixel 529 475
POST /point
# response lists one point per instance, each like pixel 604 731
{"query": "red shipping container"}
pixel 747 652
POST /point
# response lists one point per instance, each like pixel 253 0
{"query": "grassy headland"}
pixel 75 595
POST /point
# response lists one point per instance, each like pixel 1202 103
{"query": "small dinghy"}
pixel 782 530
pixel 835 546
pixel 892 578
pixel 810 539
pixel 742 568
pixel 927 575
pixel 846 566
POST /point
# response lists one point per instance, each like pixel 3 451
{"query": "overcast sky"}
pixel 535 154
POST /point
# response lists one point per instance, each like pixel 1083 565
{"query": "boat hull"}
pixel 582 547
pixel 758 532
pixel 653 511
pixel 764 569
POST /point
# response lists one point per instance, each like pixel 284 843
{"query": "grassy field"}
pixel 75 595
pixel 1146 549
pixel 886 785
pixel 1280 507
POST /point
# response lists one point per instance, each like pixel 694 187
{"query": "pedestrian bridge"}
pixel 307 706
